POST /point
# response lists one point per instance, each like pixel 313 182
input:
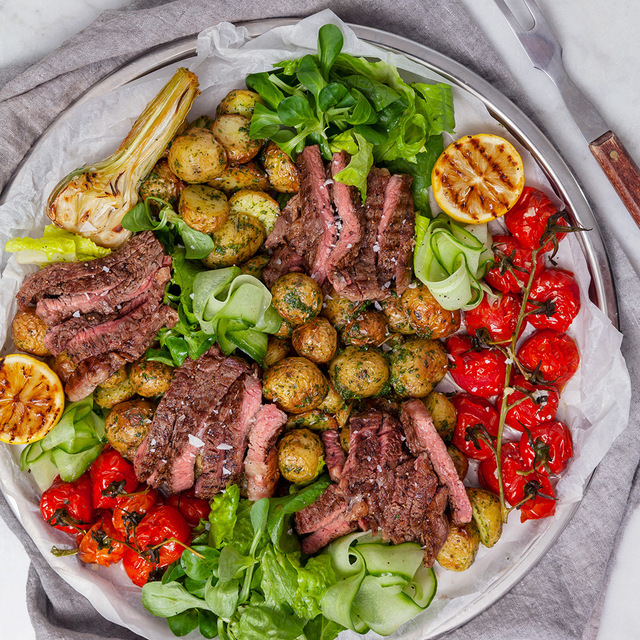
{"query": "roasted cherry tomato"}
pixel 547 447
pixel 498 316
pixel 513 264
pixel 513 468
pixel 111 476
pixel 478 371
pixel 476 421
pixel 130 510
pixel 139 569
pixel 554 300
pixel 536 404
pixel 164 524
pixel 552 356
pixel 192 508
pixel 542 500
pixel 68 505
pixel 102 544
pixel 528 220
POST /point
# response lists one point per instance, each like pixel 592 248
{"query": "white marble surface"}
pixel 602 55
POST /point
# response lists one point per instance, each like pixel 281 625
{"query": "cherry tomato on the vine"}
pixel 111 476
pixel 538 404
pixel 192 508
pixel 547 447
pixel 102 544
pixel 528 220
pixel 478 371
pixel 554 300
pixel 130 510
pixel 476 420
pixel 552 355
pixel 138 568
pixel 513 480
pixel 513 265
pixel 163 534
pixel 68 505
pixel 497 315
pixel 542 501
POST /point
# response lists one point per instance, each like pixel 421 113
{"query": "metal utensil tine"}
pixel 510 16
pixel 540 23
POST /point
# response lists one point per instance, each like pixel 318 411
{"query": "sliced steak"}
pixel 284 260
pixel 288 216
pixel 323 536
pixel 261 463
pixel 422 437
pixel 90 373
pixel 334 454
pixel 329 506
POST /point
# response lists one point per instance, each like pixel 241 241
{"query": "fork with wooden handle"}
pixel 545 53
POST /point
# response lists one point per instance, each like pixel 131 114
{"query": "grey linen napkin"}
pixel 562 596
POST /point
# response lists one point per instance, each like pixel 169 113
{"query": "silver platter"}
pixel 602 291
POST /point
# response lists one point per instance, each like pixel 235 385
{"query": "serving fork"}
pixel 545 52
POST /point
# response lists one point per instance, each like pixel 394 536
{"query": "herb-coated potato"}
pixel 397 318
pixel 417 366
pixel 296 297
pixel 241 101
pixel 150 378
pixel 277 349
pixel 342 415
pixel 115 379
pixel 295 384
pixel 345 438
pixel 255 266
pixel 426 315
pixel 196 156
pixel 359 372
pixel 368 327
pixel 241 176
pixel 333 401
pixel 316 340
pixel 162 183
pixel 27 331
pixel 258 204
pixel 201 122
pixel 235 241
pixel 339 311
pixel 232 130
pixel 300 456
pixel 315 420
pixel 443 413
pixel 64 366
pixel 203 208
pixel 460 461
pixel 109 397
pixel 285 331
pixel 460 549
pixel 487 515
pixel 281 170
pixel 127 425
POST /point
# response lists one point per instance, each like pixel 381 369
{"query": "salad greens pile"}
pixel 340 102
pixel 69 448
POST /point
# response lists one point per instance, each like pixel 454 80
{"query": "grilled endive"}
pixel 92 200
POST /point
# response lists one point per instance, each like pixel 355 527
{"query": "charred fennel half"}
pixel 92 200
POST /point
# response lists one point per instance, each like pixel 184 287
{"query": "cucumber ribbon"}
pixel 450 259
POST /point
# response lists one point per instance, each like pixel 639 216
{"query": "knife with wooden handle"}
pixel 545 53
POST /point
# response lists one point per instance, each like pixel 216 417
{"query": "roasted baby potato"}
pixel 397 318
pixel 359 372
pixel 426 315
pixel 64 366
pixel 235 241
pixel 203 208
pixel 296 297
pixel 295 384
pixel 460 549
pixel 240 101
pixel 339 311
pixel 127 425
pixel 27 331
pixel 459 461
pixel 333 401
pixel 277 349
pixel 196 156
pixel 240 176
pixel 368 327
pixel 315 420
pixel 162 183
pixel 111 396
pixel 342 415
pixel 487 515
pixel 300 456
pixel 285 331
pixel 256 203
pixel 232 131
pixel 201 122
pixel 115 378
pixel 150 378
pixel 417 366
pixel 281 170
pixel 345 437
pixel 316 340
pixel 443 413
pixel 255 266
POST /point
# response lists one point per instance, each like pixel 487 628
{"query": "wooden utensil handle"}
pixel 620 168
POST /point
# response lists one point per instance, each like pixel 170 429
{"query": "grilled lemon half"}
pixel 31 399
pixel 478 178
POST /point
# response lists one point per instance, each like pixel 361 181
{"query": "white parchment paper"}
pixel 595 403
